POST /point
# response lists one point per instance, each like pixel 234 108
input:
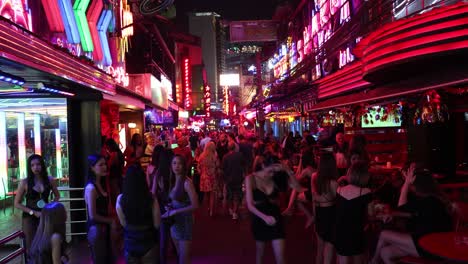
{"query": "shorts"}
pixel 234 192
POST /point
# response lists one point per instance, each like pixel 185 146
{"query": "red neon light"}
pixel 187 85
pixel 344 80
pixel 15 10
pixel 412 33
pixel 93 14
pixel 419 52
pixel 423 20
pixel 54 18
pixel 400 47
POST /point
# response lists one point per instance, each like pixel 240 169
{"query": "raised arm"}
pixel 409 179
pixel 55 191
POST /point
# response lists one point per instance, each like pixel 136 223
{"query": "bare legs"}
pixel 260 251
pixel 325 251
pixel 183 248
pixel 278 249
pixel 211 199
pixel 393 245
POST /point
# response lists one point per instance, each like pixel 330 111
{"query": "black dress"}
pixel 268 205
pixel 429 215
pixel 325 222
pixel 351 216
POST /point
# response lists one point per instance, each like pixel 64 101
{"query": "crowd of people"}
pixel 143 200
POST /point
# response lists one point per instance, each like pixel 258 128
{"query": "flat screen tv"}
pixel 378 117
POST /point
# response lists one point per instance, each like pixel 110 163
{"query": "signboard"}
pixel 230 79
pixel 17 11
pixel 158 93
pixel 259 30
pixel 140 84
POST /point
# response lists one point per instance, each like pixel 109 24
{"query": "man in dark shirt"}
pixel 234 170
pixel 246 148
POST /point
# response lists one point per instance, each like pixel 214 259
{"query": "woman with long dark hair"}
pixel 352 203
pixel 428 212
pixel 140 221
pixel 324 187
pixel 36 188
pixel 49 245
pixel 154 164
pixel 100 223
pixel 262 195
pixel 135 150
pixel 184 201
pixel 115 164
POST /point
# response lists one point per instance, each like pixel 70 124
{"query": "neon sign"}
pixel 119 74
pixel 69 22
pixel 16 11
pixel 345 57
pixel 93 17
pixel 187 84
pixel 102 26
pixel 207 98
pixel 74 49
pixel 52 11
pixel 79 9
pixel 127 20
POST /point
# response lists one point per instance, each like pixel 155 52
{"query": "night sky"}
pixel 231 9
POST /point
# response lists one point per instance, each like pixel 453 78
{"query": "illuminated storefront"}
pixel 33 126
pixel 53 76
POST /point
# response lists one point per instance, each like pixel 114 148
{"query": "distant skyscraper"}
pixel 207 26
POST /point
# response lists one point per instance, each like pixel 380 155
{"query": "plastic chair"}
pixel 6 196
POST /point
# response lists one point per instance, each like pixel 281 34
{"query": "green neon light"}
pixel 79 8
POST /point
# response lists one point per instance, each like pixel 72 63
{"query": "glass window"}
pixel 32 126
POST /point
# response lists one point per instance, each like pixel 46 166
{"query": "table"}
pixel 443 245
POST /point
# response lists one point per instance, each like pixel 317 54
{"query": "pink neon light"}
pixel 93 14
pixel 15 10
pixel 411 33
pixel 400 47
pixel 53 15
pixel 38 54
pixel 335 6
pixel 419 52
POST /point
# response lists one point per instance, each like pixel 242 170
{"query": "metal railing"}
pixel 20 251
pixel 68 199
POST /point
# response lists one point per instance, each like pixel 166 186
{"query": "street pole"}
pixel 260 111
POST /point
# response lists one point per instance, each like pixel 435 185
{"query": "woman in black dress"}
pixel 36 188
pixel 428 213
pixel 351 215
pixel 262 193
pixel 139 222
pixel 324 187
pixel 100 223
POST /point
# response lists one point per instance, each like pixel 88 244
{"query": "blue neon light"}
pixel 102 26
pixel 68 17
